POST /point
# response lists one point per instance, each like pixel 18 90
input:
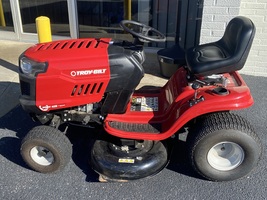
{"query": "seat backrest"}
pixel 226 55
pixel 237 39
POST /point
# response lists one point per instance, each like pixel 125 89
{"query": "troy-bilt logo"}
pixel 88 72
pixel 48 107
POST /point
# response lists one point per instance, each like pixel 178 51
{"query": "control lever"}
pixel 195 86
pixel 202 83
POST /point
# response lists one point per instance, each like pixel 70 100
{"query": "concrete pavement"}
pixel 9 87
pixel 78 181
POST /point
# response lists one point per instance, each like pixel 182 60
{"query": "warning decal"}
pixel 145 104
pixel 126 160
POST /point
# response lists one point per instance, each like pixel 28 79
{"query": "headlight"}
pixel 32 68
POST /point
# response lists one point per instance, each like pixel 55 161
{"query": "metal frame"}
pixel 189 23
pixel 73 18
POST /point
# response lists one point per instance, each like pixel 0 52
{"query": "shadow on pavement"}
pixel 82 140
pixel 179 161
pixel 9 65
pixel 9 91
pixel 10 149
pixel 13 127
pixel 9 97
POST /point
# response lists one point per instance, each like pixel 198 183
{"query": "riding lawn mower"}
pixel 91 82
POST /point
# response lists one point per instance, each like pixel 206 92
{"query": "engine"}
pixel 79 76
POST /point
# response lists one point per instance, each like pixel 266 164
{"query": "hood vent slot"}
pixel 71 44
pixel 88 89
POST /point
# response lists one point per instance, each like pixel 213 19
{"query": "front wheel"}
pixel 46 149
pixel 223 147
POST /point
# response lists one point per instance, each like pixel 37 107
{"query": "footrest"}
pixel 133 127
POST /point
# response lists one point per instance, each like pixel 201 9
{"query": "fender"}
pixel 175 109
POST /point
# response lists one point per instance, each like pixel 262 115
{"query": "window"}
pixel 56 10
pixel 6 21
pixel 102 18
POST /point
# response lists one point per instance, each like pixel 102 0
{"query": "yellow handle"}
pixel 128 9
pixel 2 16
pixel 43 29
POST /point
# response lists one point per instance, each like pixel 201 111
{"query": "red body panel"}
pixel 74 77
pixel 174 110
pixel 79 73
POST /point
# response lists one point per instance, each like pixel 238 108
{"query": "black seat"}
pixel 226 55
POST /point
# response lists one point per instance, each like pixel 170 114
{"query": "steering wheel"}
pixel 141 31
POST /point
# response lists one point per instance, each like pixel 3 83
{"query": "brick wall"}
pixel 216 15
pixel 256 10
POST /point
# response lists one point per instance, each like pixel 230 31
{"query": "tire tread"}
pixel 211 123
pixel 53 137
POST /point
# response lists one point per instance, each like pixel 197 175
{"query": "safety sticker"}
pixel 145 104
pixel 126 160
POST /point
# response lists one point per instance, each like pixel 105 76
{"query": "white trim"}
pixel 10 35
pixel 73 18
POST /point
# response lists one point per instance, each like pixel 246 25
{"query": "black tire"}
pixel 210 141
pixel 46 149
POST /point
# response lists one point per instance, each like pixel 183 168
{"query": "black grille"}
pixel 130 127
pixel 25 88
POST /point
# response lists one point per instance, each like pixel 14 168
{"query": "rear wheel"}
pixel 46 149
pixel 223 147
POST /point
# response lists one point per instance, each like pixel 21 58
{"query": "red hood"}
pixel 68 49
pixel 78 72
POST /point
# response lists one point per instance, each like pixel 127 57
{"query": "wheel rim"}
pixel 225 156
pixel 42 156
